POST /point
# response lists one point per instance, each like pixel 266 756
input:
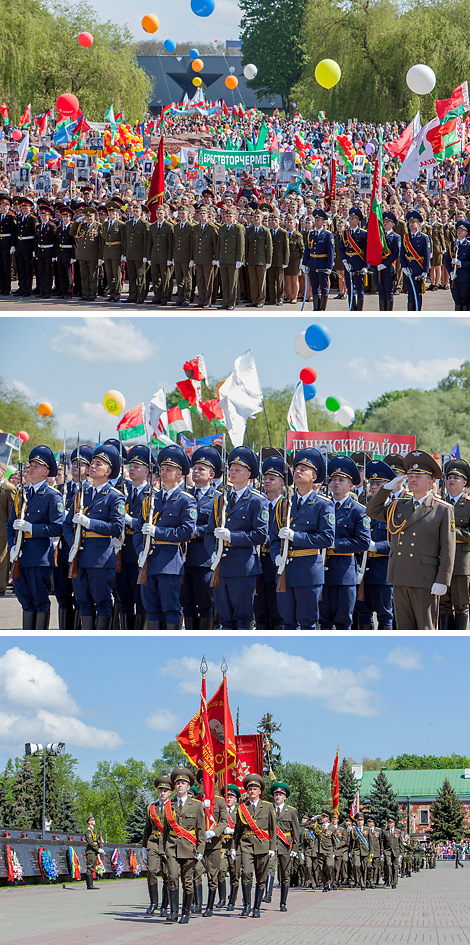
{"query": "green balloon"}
pixel 332 404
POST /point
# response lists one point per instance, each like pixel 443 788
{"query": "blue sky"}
pixel 73 361
pixel 113 698
pixel 177 21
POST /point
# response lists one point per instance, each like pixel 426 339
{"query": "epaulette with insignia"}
pixel 255 492
pixel 352 495
pixel 184 492
pixel 113 489
pixel 438 498
pixel 326 498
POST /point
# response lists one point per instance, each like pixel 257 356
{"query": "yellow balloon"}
pixel 114 402
pixel 197 81
pixel 327 73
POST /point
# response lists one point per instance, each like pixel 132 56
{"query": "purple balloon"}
pixel 369 148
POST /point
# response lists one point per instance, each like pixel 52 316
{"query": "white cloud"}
pixel 261 670
pixel 89 413
pixel 162 720
pixel 421 372
pixel 24 389
pixel 460 320
pixel 35 705
pixel 360 367
pixel 102 339
pixel 405 658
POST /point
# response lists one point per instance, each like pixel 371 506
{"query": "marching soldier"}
pixel 205 254
pixel 63 586
pixel 26 226
pixel 183 840
pixel 258 258
pixel 159 254
pixel 230 256
pixel 153 841
pixel 114 249
pixel 359 850
pixel 392 841
pixel 318 259
pixel 65 254
pixel 280 261
pixel 311 528
pixel 352 249
pixel 341 854
pixel 455 600
pixel 196 594
pixel 415 258
pixel 287 840
pixel 420 570
pixel 136 253
pixel 309 843
pixel 457 263
pixel 326 848
pixel 376 851
pixel 128 589
pixel 8 241
pixel 384 273
pixel 233 865
pixel 265 603
pixel 89 250
pixel 182 257
pixel 376 593
pixel 255 840
pixel 173 524
pixel 39 520
pixel 91 852
pixel 218 821
pixel 45 247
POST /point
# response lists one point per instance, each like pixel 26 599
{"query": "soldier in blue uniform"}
pixel 128 590
pixel 45 247
pixel 173 524
pixel 196 594
pixel 63 586
pixel 41 522
pixel 415 257
pixel 65 254
pixel 353 252
pixel 457 260
pixel 246 527
pixel 384 273
pixel 8 240
pixel 318 260
pixel 376 592
pixel 265 603
pixel 101 521
pixel 352 535
pixel 26 225
pixel 310 529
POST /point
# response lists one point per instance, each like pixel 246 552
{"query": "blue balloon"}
pixel 317 338
pixel 169 45
pixel 194 53
pixel 309 391
pixel 203 7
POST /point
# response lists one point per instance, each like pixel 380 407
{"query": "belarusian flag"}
pixel 355 807
pixel 196 369
pixel 399 148
pixel 25 119
pixel 132 426
pixel 79 130
pixel 377 247
pixel 164 115
pixel 449 111
pixel 425 151
pixel 179 420
pixel 111 120
pixel 322 116
pixel 213 411
pixel 4 113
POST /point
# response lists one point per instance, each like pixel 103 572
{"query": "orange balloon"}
pixel 197 65
pixel 231 82
pixel 150 23
pixel 45 409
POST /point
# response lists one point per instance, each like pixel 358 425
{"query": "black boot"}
pixel 269 889
pixel 222 893
pixel 164 905
pixel 206 623
pixel 284 892
pixel 389 305
pixel 88 622
pixel 381 305
pixel 189 623
pixel 42 621
pixel 153 893
pixel 115 622
pixel 173 916
pixel 246 890
pixel 127 621
pixel 316 303
pixel 140 621
pixel 444 620
pixel 63 615
pixel 360 305
pixel 89 882
pixel 186 910
pixel 323 303
pixel 77 625
pixel 460 621
pixel 258 897
pixel 155 625
pixel 197 907
pixel 173 626
pixel 233 898
pixel 210 902
pixel 29 620
pixel 103 622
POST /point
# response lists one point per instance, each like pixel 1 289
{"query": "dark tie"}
pixel 299 502
pixel 134 494
pixel 337 506
pixel 30 493
pixel 233 499
pixel 164 498
pixel 415 504
pixel 197 494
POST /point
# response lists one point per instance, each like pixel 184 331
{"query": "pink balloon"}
pixel 16 135
pixel 85 39
pixel 369 148
pixel 67 103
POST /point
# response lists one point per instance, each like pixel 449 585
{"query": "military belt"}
pixel 95 535
pixel 303 552
pixel 174 834
pixel 130 531
pixel 115 243
pixel 65 246
pixel 45 245
pixel 376 554
pixel 4 235
pixel 340 554
pixel 26 237
pixel 318 255
pixel 165 542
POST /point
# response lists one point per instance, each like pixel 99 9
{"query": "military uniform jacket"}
pixel 462 251
pixel 352 535
pixel 422 541
pixel 287 822
pixel 348 252
pixel 258 246
pixel 393 242
pixel 136 239
pixel 377 561
pixel 267 563
pixel 26 227
pixel 230 244
pixel 183 243
pixel 134 509
pixel 309 839
pixel 197 555
pixel 205 244
pixel 342 841
pixel 264 818
pixel 65 244
pixel 392 842
pixel 175 521
pixel 88 240
pixel 319 250
pixel 191 817
pixel 153 833
pixel 281 250
pixel 91 841
pixel 106 512
pixel 359 844
pixel 8 231
pixel 221 819
pixel 248 525
pixel 462 535
pixel 160 242
pixel 227 838
pixel 416 244
pixel 114 239
pixel 45 245
pixel 45 511
pixel 325 839
pixel 70 492
pixel 314 529
pixel 375 842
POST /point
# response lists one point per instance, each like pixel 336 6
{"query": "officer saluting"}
pixel 255 839
pixel 415 258
pixel 39 521
pixel 353 249
pixel 384 273
pixel 457 263
pixel 196 594
pixel 318 259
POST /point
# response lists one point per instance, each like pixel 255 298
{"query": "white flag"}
pixel 23 149
pixel 420 153
pixel 240 397
pixel 297 413
pixel 158 418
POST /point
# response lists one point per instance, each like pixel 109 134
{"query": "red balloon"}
pixel 23 436
pixel 85 39
pixel 308 375
pixel 67 103
pixel 16 135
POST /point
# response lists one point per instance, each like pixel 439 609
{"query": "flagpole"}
pixel 224 668
pixel 203 670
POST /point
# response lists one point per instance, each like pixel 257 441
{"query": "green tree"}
pixel 347 788
pixel 309 787
pixel 118 787
pixel 172 757
pixel 18 413
pixel 447 815
pixel 383 400
pixel 24 809
pixel 271 749
pixel 372 764
pixel 382 801
pixel 5 815
pixel 271 34
pixel 457 377
pixel 67 814
pixel 135 823
pixel 406 761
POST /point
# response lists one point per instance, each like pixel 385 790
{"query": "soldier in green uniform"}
pixel 205 254
pixel 280 260
pixel 114 245
pixel 376 851
pixel 341 854
pixel 88 251
pixel 91 851
pixel 182 256
pixel 456 599
pixel 230 255
pixel 255 840
pixel 393 852
pixel 287 840
pixel 183 840
pixel 160 253
pixel 233 865
pixel 153 841
pixel 258 255
pixel 359 849
pixel 325 832
pixel 310 852
pixel 136 252
pixel 213 851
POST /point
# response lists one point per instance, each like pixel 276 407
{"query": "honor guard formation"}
pixel 126 540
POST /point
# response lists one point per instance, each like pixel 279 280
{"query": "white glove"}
pixel 148 529
pixel 406 272
pixel 456 262
pixel 206 802
pixel 123 259
pixel 128 519
pixel 117 544
pixel 381 266
pixel 278 561
pixel 347 266
pixel 400 858
pixel 223 533
pixel 328 272
pixel 238 265
pixel 271 854
pixel 217 262
pixel 170 262
pixel 372 546
pixel 233 854
pixel 34 255
pixel 22 526
pixel 54 259
pixel 209 834
pixel 382 857
pixel 305 269
pixel 144 259
pixel 214 262
pixel 293 854
pixel 439 589
pixel 12 250
pixel 191 263
pixel 268 265
pixel 140 560
pixel 100 262
pixel 395 484
pixel 101 850
pixel 285 266
pixel 229 831
pixel 81 519
pixel 72 261
pixel 350 855
pixel 199 857
pixel 364 271
pixel 285 532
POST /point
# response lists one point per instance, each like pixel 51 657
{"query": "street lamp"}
pixel 53 748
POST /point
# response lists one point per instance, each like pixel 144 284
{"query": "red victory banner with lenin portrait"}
pixel 221 730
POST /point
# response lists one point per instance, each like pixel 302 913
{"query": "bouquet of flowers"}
pixel 47 865
pixel 116 860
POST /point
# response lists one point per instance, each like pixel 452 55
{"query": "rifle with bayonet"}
pixel 281 571
pixel 20 499
pixel 222 504
pixel 77 540
pixel 362 566
pixel 142 562
pixel 122 488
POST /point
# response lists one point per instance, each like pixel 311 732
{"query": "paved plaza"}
pixel 430 908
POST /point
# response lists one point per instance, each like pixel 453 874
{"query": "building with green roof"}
pixel 416 790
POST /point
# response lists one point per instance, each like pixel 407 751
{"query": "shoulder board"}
pixel 437 498
pixel 185 492
pixel 352 495
pixel 255 492
pixel 113 489
pixel 319 495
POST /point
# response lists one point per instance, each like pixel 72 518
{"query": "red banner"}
pixel 335 785
pixel 249 759
pixel 221 726
pixel 351 441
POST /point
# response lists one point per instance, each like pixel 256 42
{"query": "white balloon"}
pixel 345 415
pixel 302 347
pixel 250 71
pixel 420 79
pixel 232 69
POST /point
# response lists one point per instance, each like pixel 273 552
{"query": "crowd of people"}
pixel 335 542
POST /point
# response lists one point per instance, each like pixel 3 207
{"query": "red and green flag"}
pixel 179 420
pixel 214 413
pixel 157 184
pixel 132 426
pixel 4 114
pixel 377 247
pixel 263 134
pixel 25 119
pixel 450 112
